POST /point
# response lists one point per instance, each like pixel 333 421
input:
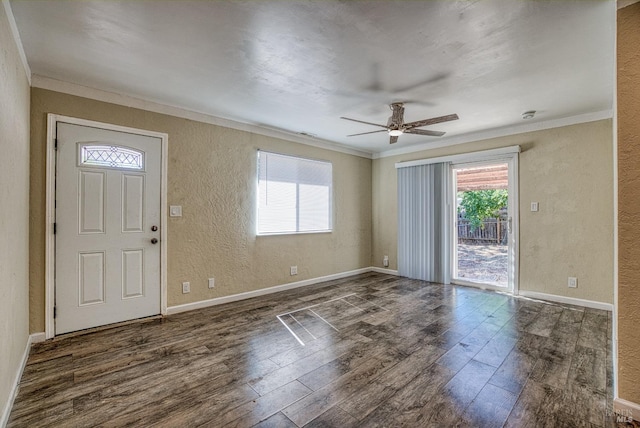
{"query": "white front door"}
pixel 107 265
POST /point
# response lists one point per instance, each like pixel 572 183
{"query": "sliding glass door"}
pixel 484 199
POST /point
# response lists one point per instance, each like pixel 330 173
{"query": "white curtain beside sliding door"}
pixel 424 219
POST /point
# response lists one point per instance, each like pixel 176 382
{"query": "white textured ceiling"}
pixel 300 65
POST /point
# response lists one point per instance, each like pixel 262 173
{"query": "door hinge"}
pixel 55 144
pixel 55 228
pixel 55 312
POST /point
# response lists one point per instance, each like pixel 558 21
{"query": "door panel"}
pixel 107 200
pixel 132 273
pixel 483 243
pixel 92 196
pixel 91 278
pixel 133 203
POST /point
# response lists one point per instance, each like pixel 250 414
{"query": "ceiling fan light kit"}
pixel 396 127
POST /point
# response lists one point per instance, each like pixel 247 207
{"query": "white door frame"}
pixel 50 247
pixel 512 160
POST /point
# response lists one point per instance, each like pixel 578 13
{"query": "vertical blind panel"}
pixel 423 223
pixel 294 194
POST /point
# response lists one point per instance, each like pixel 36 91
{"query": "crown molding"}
pixel 171 110
pixel 16 38
pixel 499 132
pixel 154 106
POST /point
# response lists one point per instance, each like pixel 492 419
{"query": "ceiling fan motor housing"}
pixel 397 117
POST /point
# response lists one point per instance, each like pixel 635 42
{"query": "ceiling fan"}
pixel 396 126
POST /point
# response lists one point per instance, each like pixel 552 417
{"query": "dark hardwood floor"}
pixel 378 351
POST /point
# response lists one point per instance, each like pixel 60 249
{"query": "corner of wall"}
pixel 6 411
pixel 14 227
pixel 16 37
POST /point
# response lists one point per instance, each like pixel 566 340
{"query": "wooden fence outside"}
pixel 493 231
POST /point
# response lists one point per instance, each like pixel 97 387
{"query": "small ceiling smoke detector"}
pixel 528 114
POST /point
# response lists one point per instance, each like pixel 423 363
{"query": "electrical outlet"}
pixel 385 261
pixel 534 207
pixel 212 282
pixel 573 282
pixel 294 270
pixel 186 287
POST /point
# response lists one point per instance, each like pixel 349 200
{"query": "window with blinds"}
pixel 294 194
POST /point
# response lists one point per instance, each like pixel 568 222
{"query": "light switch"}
pixel 534 206
pixel 175 210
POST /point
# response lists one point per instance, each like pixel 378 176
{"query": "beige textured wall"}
pixel 14 217
pixel 629 203
pixel 569 171
pixel 212 174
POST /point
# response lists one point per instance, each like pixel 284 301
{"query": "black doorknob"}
pixel 154 228
pixel 154 241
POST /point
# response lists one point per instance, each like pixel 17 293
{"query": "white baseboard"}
pixel 383 270
pixel 38 337
pixel 14 390
pixel 249 294
pixel 567 300
pixel 626 409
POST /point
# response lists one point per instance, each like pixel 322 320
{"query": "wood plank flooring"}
pixel 369 350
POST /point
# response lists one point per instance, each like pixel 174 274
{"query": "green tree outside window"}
pixel 479 205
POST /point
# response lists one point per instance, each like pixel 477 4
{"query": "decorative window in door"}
pixel 110 156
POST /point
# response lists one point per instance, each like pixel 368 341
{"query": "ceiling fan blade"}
pixel 375 85
pixel 433 79
pixel 432 121
pixel 362 121
pixel 424 132
pixel 393 139
pixel 364 133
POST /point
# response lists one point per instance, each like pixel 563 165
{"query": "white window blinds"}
pixel 294 194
